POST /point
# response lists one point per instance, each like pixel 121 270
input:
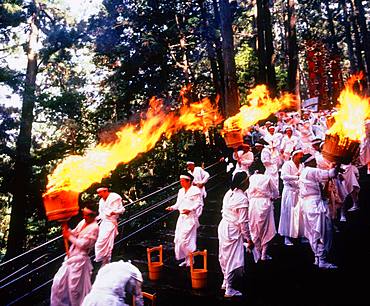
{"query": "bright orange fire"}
pixel 259 106
pixel 77 173
pixel 352 113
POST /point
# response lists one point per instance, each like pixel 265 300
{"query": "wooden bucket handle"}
pixel 157 248
pixel 196 253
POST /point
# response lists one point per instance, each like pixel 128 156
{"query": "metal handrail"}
pixel 60 236
pixel 135 216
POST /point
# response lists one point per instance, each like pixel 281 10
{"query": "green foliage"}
pixel 11 15
pixel 281 78
pixel 246 65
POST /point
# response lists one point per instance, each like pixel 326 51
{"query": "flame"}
pixel 77 173
pixel 352 113
pixel 260 106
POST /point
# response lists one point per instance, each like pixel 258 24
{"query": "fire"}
pixel 352 113
pixel 260 106
pixel 77 173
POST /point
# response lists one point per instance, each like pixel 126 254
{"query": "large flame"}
pixel 352 113
pixel 77 173
pixel 259 106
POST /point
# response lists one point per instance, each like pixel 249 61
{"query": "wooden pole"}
pixel 65 228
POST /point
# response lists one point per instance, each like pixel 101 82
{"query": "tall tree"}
pixel 265 47
pixel 261 52
pixel 26 189
pixel 348 36
pixel 270 67
pixel 356 31
pixel 232 104
pixel 293 72
pixel 208 34
pixel 22 167
pixel 361 18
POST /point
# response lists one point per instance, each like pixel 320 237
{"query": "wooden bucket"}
pixel 339 151
pixel 198 276
pixel 155 267
pixel 233 138
pixel 61 205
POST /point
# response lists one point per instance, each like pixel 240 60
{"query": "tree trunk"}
pixel 231 87
pixel 348 37
pixel 333 38
pixel 358 48
pixel 293 72
pixel 216 40
pixel 211 52
pixel 270 68
pixel 22 172
pixel 360 15
pixel 261 53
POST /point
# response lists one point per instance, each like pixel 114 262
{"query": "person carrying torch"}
pixel 316 214
pixel 72 282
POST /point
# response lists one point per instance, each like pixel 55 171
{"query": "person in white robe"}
pixel 365 147
pixel 351 184
pixel 334 190
pixel 244 158
pixel 116 284
pixel 200 176
pixel 233 231
pixel 316 218
pixel 72 282
pixel 291 218
pixel 261 191
pixel 289 143
pixel 188 203
pixel 270 161
pixel 306 136
pixel 110 208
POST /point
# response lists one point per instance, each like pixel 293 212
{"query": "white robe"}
pixel 271 161
pixel 72 282
pixel 232 231
pixel 306 136
pixel 109 211
pixel 187 225
pixel 365 153
pixel 316 218
pixel 291 218
pixel 112 283
pixel 288 145
pixel 351 176
pixel 246 159
pixel 201 176
pixel 261 210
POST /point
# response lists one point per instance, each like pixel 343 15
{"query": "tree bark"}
pixel 358 48
pixel 211 52
pixel 293 72
pixel 360 15
pixel 22 167
pixel 348 37
pixel 231 87
pixel 261 52
pixel 216 40
pixel 333 38
pixel 270 68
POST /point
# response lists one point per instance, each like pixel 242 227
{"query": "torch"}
pixel 61 206
pixel 340 150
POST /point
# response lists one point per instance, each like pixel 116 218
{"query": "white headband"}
pixel 309 159
pixel 182 176
pixel 296 152
pixel 190 163
pixel 101 189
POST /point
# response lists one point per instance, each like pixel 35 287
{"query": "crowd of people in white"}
pixel 314 191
